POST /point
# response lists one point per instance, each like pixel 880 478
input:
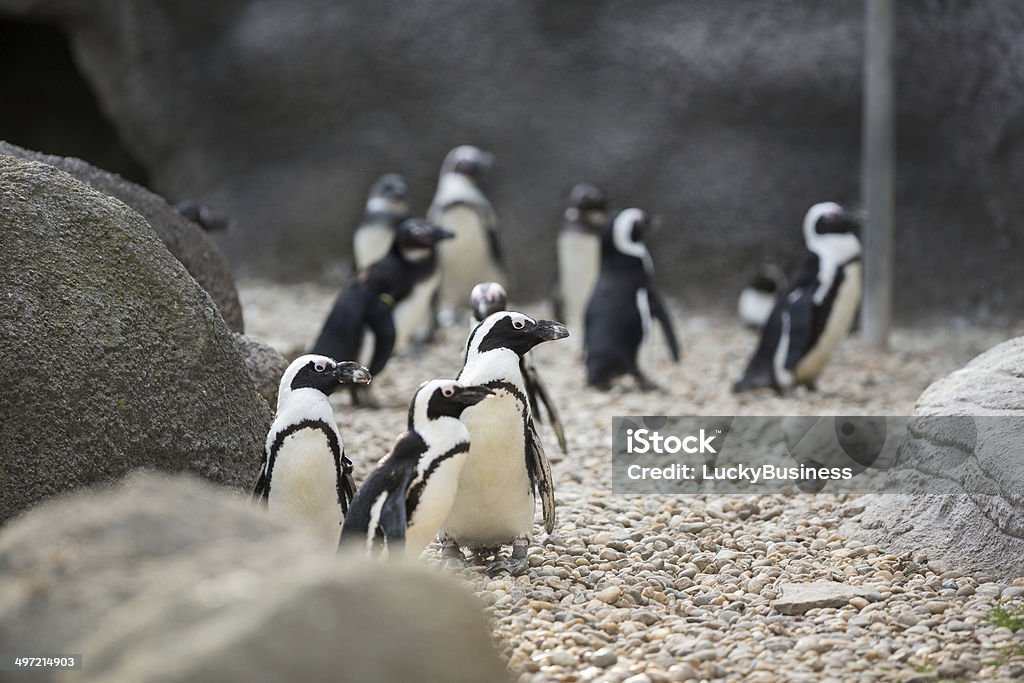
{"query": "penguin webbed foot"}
pixel 645 384
pixel 516 563
pixel 452 558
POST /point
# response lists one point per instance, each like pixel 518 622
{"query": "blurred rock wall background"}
pixel 727 119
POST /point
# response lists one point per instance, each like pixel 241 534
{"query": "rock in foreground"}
pixel 168 579
pixel 114 358
pixel 963 464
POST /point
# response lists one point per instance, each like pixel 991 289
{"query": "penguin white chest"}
pixel 434 504
pixel 413 313
pixel 466 258
pixel 579 261
pixel 495 501
pixel 303 485
pixel 837 327
pixel 371 243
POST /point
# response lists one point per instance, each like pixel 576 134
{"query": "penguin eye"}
pixel 518 324
pixel 448 392
pixel 319 367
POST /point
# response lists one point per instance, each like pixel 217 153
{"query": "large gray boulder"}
pixel 183 238
pixel 113 356
pixel 729 119
pixel 957 492
pixel 165 579
pixel 266 366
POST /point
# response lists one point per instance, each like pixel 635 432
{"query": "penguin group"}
pixel 471 468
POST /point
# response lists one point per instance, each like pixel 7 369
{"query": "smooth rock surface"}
pixel 797 598
pixel 114 358
pixel 170 579
pixel 727 119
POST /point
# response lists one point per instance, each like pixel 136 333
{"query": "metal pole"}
pixel 878 172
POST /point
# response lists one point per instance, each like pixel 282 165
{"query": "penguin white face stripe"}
pixel 481 331
pixel 622 237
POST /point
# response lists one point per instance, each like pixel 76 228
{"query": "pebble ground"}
pixel 654 588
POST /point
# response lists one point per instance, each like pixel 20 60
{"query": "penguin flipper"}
pixel 393 515
pixel 381 323
pixel 660 312
pixel 530 382
pixel 801 326
pixel 535 389
pixel 346 484
pixel 260 491
pixel 540 473
pixel 760 371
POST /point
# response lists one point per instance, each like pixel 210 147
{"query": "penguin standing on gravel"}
pixel 579 254
pixel 817 309
pixel 391 300
pixel 407 497
pixel 386 208
pixel 623 305
pixel 490 297
pixel 305 476
pixel 757 299
pixel 507 468
pixel 474 254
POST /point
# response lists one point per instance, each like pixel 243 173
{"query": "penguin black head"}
pixel 587 197
pixel 443 398
pixel 626 236
pixel 469 161
pixel 829 218
pixel 322 374
pixel 487 298
pixel 416 237
pixel 512 331
pixel 390 186
pixel 831 229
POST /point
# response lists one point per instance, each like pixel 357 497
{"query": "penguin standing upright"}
pixel 386 208
pixel 490 297
pixel 391 299
pixel 579 254
pixel 407 497
pixel 474 255
pixel 818 307
pixel 757 299
pixel 620 311
pixel 507 468
pixel 305 476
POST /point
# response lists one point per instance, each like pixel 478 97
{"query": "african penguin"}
pixel 758 298
pixel 305 476
pixel 817 309
pixel 474 255
pixel 490 297
pixel 507 468
pixel 623 304
pixel 386 207
pixel 579 254
pixel 390 299
pixel 407 497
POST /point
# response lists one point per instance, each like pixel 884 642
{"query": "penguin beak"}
pixel 440 233
pixel 549 330
pixel 470 396
pixel 352 373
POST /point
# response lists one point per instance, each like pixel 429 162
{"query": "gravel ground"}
pixel 676 588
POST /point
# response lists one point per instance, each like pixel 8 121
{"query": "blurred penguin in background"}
pixel 624 304
pixel 579 255
pixel 474 254
pixel 386 207
pixel 758 298
pixel 384 304
pixel 817 309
